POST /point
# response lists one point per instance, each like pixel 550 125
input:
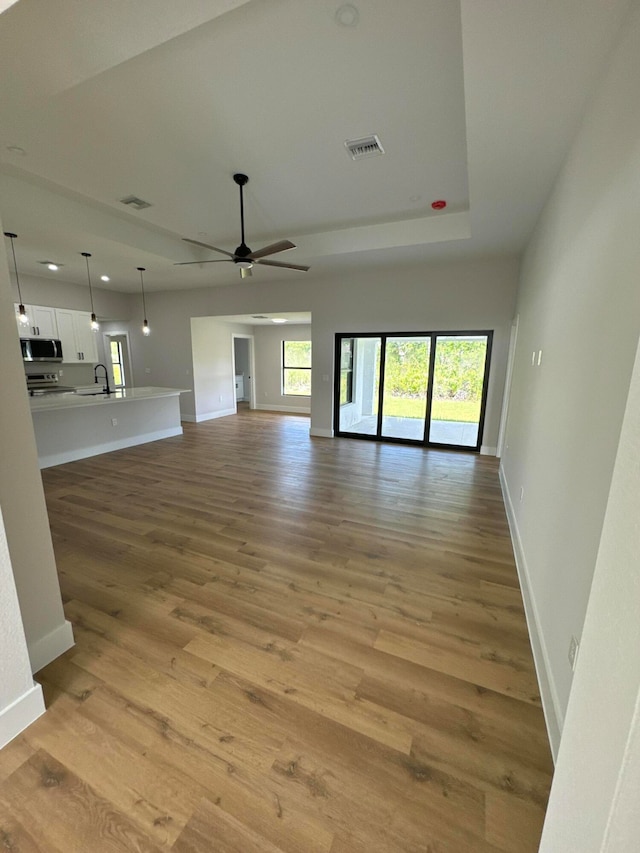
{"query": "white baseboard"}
pixel 107 447
pixel 296 410
pixel 321 433
pixel 209 416
pixel 485 450
pixel 553 713
pixel 51 646
pixel 16 717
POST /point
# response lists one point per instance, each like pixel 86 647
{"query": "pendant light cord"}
pixel 15 263
pixel 144 305
pixel 87 255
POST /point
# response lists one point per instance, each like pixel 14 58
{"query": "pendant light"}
pixel 94 321
pixel 145 326
pixel 22 313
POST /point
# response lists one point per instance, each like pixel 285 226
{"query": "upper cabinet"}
pixel 42 322
pixel 78 339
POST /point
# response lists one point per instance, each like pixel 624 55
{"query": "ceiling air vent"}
pixel 135 202
pixel 259 317
pixel 368 146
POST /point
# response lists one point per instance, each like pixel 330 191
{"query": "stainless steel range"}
pixel 46 383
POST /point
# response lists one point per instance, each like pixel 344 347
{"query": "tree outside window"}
pixel 296 368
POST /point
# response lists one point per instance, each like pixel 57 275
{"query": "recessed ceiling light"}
pixel 278 320
pixel 15 149
pixel 347 15
pixel 104 278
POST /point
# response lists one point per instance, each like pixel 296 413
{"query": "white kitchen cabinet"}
pixel 78 340
pixel 240 387
pixel 42 322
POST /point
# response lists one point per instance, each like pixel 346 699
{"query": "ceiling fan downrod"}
pixel 243 250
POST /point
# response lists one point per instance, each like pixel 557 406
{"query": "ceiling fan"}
pixel 243 257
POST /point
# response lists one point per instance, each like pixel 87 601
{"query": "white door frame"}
pixel 507 386
pixel 252 368
pixel 112 333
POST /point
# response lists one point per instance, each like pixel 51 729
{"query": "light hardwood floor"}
pixel 283 644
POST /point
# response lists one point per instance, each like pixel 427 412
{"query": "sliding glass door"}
pixel 358 364
pixel 427 388
pixel 406 380
pixel 458 383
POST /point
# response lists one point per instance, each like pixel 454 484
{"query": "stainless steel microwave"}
pixel 41 349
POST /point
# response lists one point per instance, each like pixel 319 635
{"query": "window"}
pixel 117 364
pixel 346 371
pixel 296 368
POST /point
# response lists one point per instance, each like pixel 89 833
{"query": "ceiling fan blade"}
pixel 280 246
pixel 244 273
pixel 213 261
pixel 207 246
pixel 284 266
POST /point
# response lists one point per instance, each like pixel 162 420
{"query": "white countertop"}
pixel 46 402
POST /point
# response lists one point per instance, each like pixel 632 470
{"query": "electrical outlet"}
pixel 573 652
pixel 114 422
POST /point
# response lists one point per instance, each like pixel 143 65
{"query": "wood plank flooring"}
pixel 284 645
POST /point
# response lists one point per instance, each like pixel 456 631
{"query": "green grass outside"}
pixel 465 411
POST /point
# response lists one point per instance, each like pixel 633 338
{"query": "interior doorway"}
pixel 118 359
pixel 243 369
pixel 420 388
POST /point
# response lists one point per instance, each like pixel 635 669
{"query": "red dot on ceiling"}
pixel 439 205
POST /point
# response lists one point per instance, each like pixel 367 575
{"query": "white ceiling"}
pixel 293 318
pixel 475 102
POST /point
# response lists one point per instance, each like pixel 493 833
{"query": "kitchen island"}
pixel 77 425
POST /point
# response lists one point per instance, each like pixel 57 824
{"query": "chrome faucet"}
pixel 106 388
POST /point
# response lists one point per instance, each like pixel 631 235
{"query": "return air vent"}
pixel 368 146
pixel 135 202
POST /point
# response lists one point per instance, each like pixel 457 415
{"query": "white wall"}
pixel 241 353
pixel 22 500
pixel 21 701
pixel 463 295
pixel 596 788
pixel 213 377
pixel 268 357
pixel 579 302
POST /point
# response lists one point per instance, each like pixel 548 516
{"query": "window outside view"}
pixel 116 363
pixel 296 368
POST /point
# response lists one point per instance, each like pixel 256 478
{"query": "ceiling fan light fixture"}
pixel 244 264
